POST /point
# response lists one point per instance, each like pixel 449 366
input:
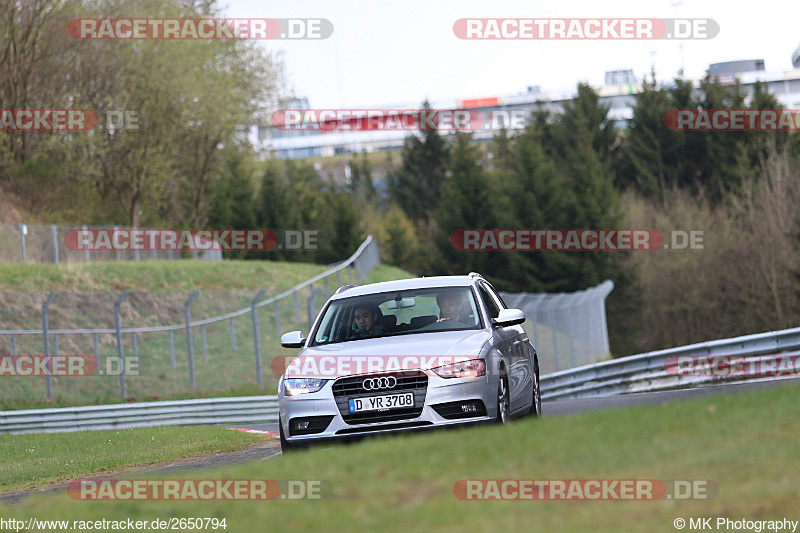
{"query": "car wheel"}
pixel 536 408
pixel 503 401
pixel 285 446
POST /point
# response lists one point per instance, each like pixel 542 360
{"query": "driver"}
pixel 366 318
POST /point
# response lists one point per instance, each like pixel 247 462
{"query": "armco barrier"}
pixel 647 372
pixel 636 373
pixel 243 410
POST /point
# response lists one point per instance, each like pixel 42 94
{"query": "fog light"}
pixel 469 408
pixel 301 424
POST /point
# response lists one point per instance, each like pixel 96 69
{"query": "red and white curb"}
pixel 267 433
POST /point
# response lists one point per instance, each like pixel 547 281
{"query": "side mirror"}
pixel 508 317
pixel 293 339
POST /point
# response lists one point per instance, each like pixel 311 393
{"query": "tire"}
pixel 285 446
pixel 503 401
pixel 536 406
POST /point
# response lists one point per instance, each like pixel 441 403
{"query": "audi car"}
pixel 408 355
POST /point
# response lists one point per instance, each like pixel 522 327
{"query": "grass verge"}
pixel 34 460
pixel 744 442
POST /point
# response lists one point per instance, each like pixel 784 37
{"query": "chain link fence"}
pixel 567 329
pixel 44 243
pixel 151 345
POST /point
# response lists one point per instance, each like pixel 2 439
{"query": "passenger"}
pixel 366 319
pixel 451 305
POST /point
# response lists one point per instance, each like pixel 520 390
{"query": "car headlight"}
pixel 297 386
pixel 465 369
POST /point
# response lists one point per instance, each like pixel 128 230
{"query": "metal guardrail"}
pixel 650 372
pixel 243 410
pixel 636 373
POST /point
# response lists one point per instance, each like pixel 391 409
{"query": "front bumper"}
pixel 441 407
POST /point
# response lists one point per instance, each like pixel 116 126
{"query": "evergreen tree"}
pixel 653 162
pixel 272 208
pixel 466 203
pixel 416 185
pixel 232 204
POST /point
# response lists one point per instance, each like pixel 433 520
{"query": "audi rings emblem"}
pixel 379 383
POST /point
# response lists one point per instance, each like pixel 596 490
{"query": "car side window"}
pixel 496 294
pixel 489 301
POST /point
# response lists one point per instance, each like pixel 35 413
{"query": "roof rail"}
pixel 344 288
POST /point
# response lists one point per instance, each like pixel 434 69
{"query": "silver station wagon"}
pixel 408 354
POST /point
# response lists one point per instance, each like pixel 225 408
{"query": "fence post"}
pixel 608 286
pixel 85 249
pixel 120 354
pixel 23 229
pixel 172 349
pixel 257 334
pixel 55 345
pixel 96 350
pixel 54 232
pixel 278 317
pixel 49 379
pixel 327 288
pixel 204 342
pixel 14 347
pixel 338 278
pixel 119 252
pixel 233 334
pixel 135 347
pixel 350 274
pixel 310 306
pixel 189 334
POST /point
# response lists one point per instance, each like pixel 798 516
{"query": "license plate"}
pixel 381 403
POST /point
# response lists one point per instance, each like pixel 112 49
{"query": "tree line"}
pixel 189 164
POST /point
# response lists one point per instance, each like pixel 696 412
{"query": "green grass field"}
pixel 225 287
pixel 35 460
pixel 744 442
pixel 155 275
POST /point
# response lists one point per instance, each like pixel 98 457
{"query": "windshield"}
pixel 398 313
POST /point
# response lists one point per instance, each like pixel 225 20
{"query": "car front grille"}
pixel 352 387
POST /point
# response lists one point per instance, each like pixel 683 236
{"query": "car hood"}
pixel 386 354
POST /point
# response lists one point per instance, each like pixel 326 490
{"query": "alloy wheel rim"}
pixel 502 399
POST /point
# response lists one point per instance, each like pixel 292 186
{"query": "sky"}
pixel 398 53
